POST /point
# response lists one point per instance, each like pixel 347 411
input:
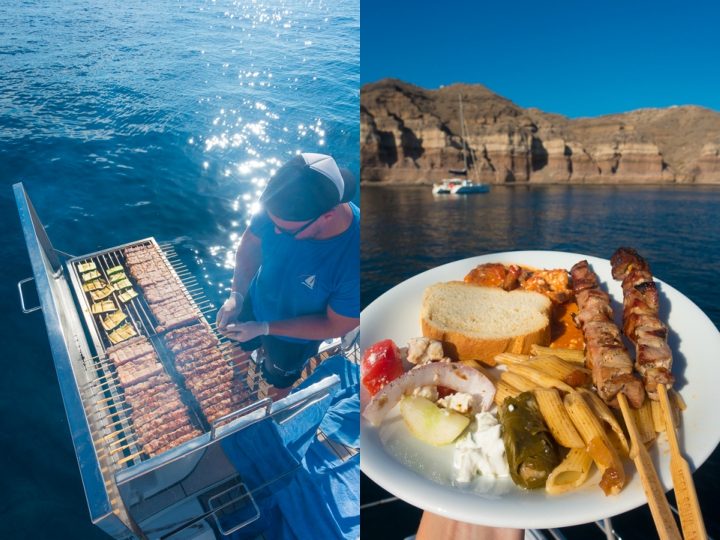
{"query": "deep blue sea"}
pixel 406 230
pixel 144 118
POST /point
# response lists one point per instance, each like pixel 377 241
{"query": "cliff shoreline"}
pixel 412 136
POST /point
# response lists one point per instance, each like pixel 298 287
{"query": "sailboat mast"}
pixel 463 132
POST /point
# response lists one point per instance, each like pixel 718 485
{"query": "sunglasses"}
pixel 297 231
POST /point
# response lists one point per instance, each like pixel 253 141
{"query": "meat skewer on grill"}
pixel 654 362
pixel 150 399
pixel 151 412
pixel 612 373
pixel 147 425
pixel 208 375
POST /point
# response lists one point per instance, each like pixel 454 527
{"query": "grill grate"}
pixel 108 411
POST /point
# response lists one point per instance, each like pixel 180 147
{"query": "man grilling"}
pixel 296 279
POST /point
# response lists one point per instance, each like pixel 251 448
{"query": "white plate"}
pixel 422 475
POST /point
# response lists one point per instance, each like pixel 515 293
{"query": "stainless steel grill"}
pixel 197 488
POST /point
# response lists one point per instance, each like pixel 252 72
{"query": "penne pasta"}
pixel 569 373
pixel 557 418
pixel 517 381
pixel 572 472
pixel 603 412
pixel 645 422
pixel 598 445
pixel 569 355
pixel 678 401
pixel 511 358
pixel 504 390
pixel 538 377
pixel 676 406
pixel 657 416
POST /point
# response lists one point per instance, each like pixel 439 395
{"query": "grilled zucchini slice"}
pixel 89 276
pixel 101 294
pixel 117 276
pixel 126 331
pixel 122 284
pixel 94 285
pixel 104 306
pixel 115 269
pixel 111 321
pixel 86 267
pixel 127 295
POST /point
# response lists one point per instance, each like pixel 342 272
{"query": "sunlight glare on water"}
pixel 248 138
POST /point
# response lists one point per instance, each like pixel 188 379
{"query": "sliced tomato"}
pixel 381 363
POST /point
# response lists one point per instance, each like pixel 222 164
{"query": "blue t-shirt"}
pixel 304 277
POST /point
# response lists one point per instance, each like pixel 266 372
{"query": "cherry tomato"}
pixel 381 364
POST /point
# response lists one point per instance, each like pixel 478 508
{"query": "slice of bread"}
pixel 477 323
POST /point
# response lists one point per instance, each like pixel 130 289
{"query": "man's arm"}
pixel 247 261
pixel 316 327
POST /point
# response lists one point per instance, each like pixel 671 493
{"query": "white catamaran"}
pixel 461 186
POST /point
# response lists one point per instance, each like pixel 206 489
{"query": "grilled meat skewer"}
pixel 605 354
pixel 653 359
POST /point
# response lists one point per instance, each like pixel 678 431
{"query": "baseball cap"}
pixel 307 186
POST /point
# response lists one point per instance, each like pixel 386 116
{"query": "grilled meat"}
pixel 159 417
pixel 206 370
pixel 653 358
pixel 220 389
pixel 605 354
pixel 198 357
pixel 154 442
pixel 129 350
pixel 160 404
pixel 152 422
pixel 183 438
pixel 142 368
pixel 163 292
pixel 624 260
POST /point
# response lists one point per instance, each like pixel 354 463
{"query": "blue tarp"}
pixel 319 494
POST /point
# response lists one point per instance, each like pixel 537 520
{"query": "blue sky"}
pixel 570 57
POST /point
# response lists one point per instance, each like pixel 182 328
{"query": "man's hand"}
pixel 229 310
pixel 246 331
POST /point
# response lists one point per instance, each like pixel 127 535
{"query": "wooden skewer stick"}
pixel 119 449
pixel 659 507
pixel 118 404
pixel 121 441
pixel 128 458
pixel 691 518
pixel 127 440
pixel 113 434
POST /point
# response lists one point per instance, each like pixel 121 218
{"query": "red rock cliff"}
pixel 409 134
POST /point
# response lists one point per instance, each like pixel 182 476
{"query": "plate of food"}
pixel 491 386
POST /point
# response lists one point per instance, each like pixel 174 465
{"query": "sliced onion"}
pixel 457 377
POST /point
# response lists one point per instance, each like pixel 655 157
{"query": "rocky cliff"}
pixel 409 134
